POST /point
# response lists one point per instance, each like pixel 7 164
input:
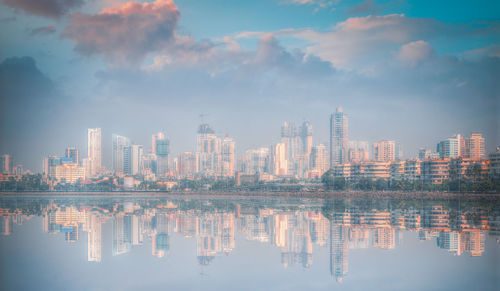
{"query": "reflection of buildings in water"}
pixel 471 241
pixel 122 234
pixel 294 232
pixel 94 229
pixel 338 251
pixel 6 225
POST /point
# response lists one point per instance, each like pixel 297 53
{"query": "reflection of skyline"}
pixel 293 231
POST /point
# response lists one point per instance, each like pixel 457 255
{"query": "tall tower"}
pixel 154 138
pixel 120 147
pixel 5 164
pixel 338 137
pixel 208 149
pixel 94 150
pixel 162 150
pixel 228 157
pixel 306 135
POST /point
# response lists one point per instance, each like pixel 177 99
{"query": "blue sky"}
pixel 413 71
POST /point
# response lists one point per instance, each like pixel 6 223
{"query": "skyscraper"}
pixel 94 151
pixel 338 137
pixel 119 144
pixel 279 159
pixel 136 159
pixel 291 140
pixel 474 147
pixel 452 147
pixel 6 164
pixel 228 157
pixel 72 153
pixel 154 138
pixel 208 149
pixel 162 150
pixel 306 136
pixel 319 159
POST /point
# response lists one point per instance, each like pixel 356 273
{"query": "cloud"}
pixel 126 33
pixel 415 52
pixel 359 42
pixel 44 30
pixel 367 6
pixel 488 51
pixel 46 8
pixel 7 19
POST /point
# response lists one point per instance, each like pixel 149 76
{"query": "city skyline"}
pixel 351 151
pixel 402 72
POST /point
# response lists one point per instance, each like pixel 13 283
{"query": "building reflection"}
pixel 296 230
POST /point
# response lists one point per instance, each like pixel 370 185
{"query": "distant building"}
pixel 319 162
pixel 69 173
pixel 306 136
pixel 187 165
pixel 154 138
pixel 435 171
pixel 119 159
pixel 208 149
pixel 358 151
pixel 49 166
pixel 452 147
pixel 279 160
pixel 94 153
pixel 72 153
pixel 228 157
pixel 384 151
pixel 257 161
pixel 162 152
pixel 338 137
pixel 494 167
pixel 6 164
pixel 474 147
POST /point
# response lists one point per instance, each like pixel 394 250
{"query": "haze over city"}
pixel 416 73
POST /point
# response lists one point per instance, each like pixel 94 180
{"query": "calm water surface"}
pixel 179 243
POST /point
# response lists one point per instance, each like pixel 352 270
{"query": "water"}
pixel 188 243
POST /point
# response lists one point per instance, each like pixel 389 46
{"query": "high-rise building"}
pixel 293 145
pixel 6 164
pixel 208 149
pixel 228 157
pixel 494 167
pixel 118 156
pixel 187 165
pixel 319 159
pixel 338 137
pixel 306 136
pixel 49 166
pixel 452 147
pixel 154 138
pixel 136 159
pixel 162 150
pixel 474 147
pixel 384 151
pixel 94 140
pixel 279 159
pixel 257 161
pixel 72 153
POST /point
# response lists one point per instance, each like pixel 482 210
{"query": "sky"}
pixel 416 72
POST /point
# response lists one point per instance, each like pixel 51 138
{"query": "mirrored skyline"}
pixel 212 230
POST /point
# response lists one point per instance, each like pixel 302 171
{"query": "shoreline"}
pixel 258 194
